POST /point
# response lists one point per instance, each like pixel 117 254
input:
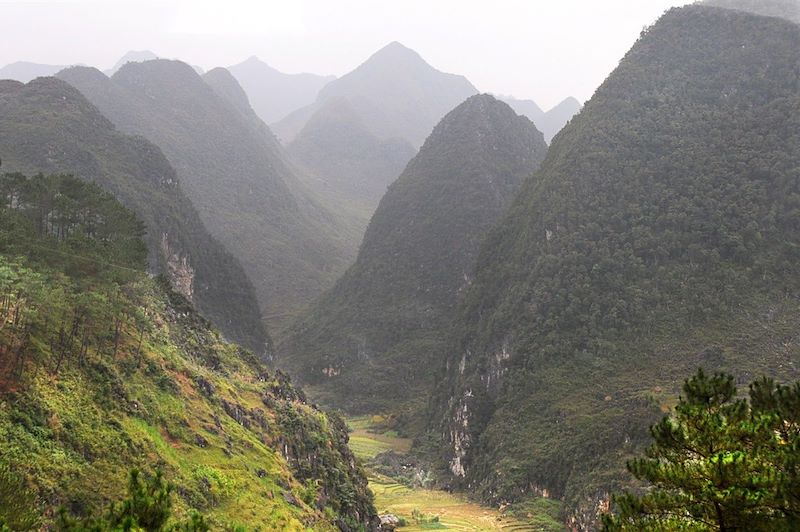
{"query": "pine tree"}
pixel 719 464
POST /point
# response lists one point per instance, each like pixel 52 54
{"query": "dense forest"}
pixel 105 369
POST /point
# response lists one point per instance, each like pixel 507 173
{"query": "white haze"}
pixel 544 51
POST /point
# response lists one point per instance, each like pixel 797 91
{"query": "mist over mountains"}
pixel 486 307
pixel 274 94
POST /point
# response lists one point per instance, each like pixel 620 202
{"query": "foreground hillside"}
pixel 659 235
pixel 104 369
pixel 48 126
pixel 374 341
pixel 234 172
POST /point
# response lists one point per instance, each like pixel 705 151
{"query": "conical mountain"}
pixel 274 94
pixel 372 342
pixel 395 92
pixel 235 173
pixel 660 234
pixel 48 126
pixel 345 162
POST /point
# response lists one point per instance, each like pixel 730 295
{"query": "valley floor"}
pixel 422 509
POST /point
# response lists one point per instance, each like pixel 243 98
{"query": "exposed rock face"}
pixel 180 272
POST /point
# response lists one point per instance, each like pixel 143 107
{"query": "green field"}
pixel 434 509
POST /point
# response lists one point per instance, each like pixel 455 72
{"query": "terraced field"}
pixel 454 511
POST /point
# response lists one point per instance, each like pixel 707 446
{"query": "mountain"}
pixel 24 71
pixel 105 369
pixel 345 162
pixel 234 172
pixel 550 122
pixel 48 126
pixel 788 9
pixel 395 92
pixel 527 108
pixel 274 94
pixel 372 342
pixel 134 56
pixel 659 235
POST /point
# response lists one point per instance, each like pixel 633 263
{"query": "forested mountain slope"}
pixel 659 235
pixel 395 92
pixel 372 343
pixel 235 173
pixel 104 369
pixel 274 94
pixel 48 126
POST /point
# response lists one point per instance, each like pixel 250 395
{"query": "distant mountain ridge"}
pixel 235 173
pixel 786 9
pixel 395 92
pixel 345 162
pixel 24 71
pixel 550 122
pixel 273 94
pixel 372 342
pixel 48 126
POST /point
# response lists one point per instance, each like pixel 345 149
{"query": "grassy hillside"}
pixel 104 369
pixel 48 126
pixel 374 341
pixel 659 235
pixel 234 172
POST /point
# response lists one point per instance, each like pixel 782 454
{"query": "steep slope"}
pixel 235 173
pixel 788 9
pixel 48 126
pixel 347 163
pixel 395 92
pixel 373 341
pixel 24 71
pixel 660 234
pixel 134 56
pixel 550 122
pixel 104 370
pixel 274 94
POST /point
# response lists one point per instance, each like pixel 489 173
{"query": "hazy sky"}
pixel 544 50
